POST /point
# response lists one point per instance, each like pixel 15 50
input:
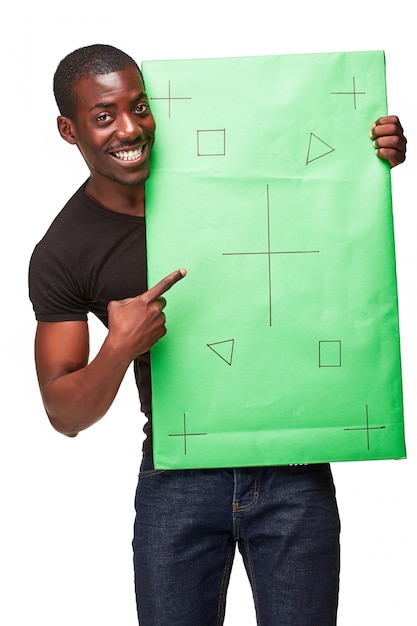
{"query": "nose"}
pixel 129 127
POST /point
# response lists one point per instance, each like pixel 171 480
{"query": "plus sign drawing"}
pixel 169 98
pixel 185 434
pixel 352 93
pixel 265 186
pixel 366 428
pixel 268 253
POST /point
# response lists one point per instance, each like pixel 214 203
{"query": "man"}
pixel 283 519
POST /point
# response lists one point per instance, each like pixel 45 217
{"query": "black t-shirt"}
pixel 89 256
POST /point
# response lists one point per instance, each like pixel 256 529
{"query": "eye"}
pixel 142 107
pixel 103 118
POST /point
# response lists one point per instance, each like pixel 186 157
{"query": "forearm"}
pixel 77 400
pixel 77 393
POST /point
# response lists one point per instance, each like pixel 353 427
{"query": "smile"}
pixel 129 155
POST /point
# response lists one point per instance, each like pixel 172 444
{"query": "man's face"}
pixel 114 128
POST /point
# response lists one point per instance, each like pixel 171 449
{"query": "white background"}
pixel 67 505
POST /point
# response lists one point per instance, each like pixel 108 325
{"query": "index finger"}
pixel 166 283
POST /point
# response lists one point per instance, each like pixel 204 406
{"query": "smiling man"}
pixel 113 127
pixel 105 113
pixel 93 259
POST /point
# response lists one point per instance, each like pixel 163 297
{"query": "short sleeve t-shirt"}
pixel 89 256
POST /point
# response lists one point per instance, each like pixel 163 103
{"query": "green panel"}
pixel 283 339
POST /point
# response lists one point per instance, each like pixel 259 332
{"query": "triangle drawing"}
pixel 317 148
pixel 223 349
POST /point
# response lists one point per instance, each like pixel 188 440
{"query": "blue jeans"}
pixel 284 521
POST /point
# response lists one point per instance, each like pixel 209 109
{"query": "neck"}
pixel 129 199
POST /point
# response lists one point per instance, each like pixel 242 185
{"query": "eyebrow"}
pixel 111 105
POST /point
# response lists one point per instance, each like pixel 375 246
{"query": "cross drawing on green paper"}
pixel 169 98
pixel 185 434
pixel 353 93
pixel 269 253
pixel 367 428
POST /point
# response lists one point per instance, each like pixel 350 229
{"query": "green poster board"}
pixel 283 339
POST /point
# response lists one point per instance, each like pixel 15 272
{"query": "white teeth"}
pixel 129 155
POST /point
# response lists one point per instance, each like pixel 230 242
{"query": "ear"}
pixel 66 129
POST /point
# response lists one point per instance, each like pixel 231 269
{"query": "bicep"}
pixel 60 348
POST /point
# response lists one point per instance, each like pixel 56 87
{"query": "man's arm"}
pixel 389 140
pixel 75 393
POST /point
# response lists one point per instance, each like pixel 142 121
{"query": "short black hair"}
pixel 83 62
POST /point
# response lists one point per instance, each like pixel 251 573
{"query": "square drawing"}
pixel 211 142
pixel 330 353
